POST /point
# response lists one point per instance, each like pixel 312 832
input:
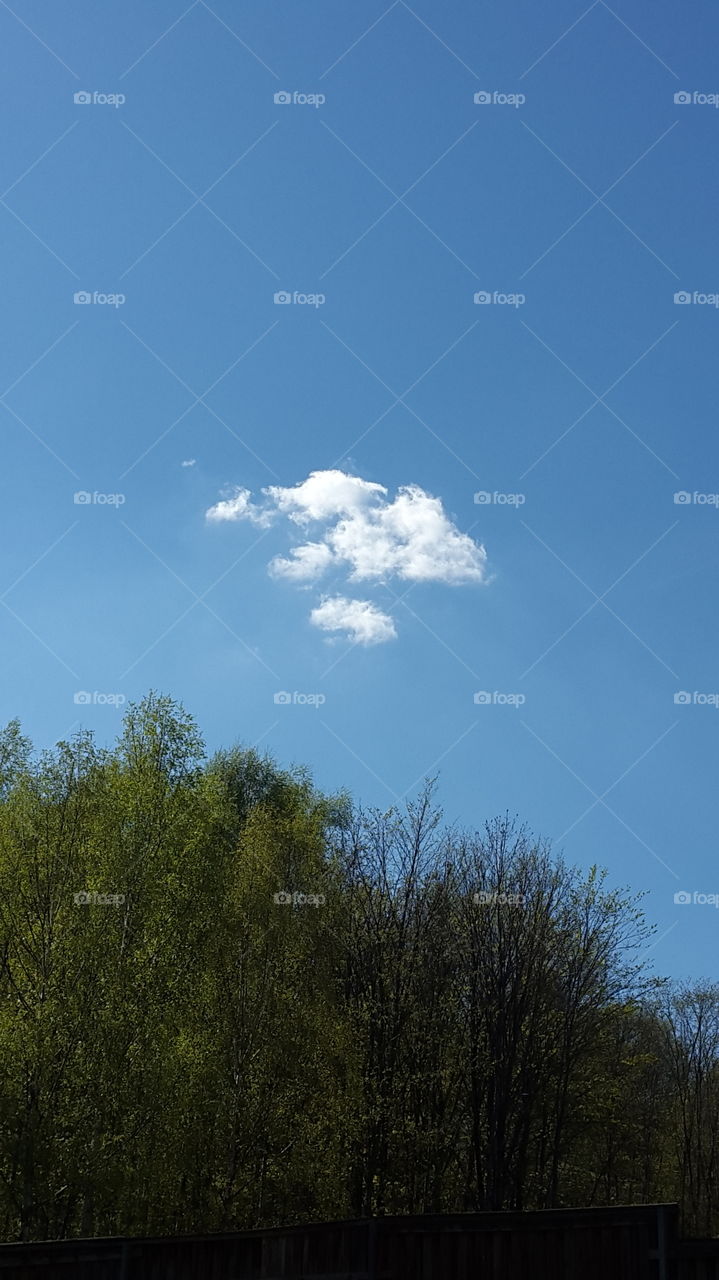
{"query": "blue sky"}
pixel 395 200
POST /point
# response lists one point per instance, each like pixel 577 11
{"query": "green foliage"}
pixel 228 1000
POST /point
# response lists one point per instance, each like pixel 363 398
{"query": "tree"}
pixel 229 1000
pixel 690 1019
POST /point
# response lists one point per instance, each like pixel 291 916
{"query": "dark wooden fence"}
pixel 638 1242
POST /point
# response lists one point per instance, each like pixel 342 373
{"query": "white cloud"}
pixel 410 538
pixel 189 462
pixel 365 535
pixel 237 506
pixel 324 494
pixel 360 620
pixel 308 561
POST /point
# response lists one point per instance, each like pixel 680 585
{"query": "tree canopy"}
pixel 228 1000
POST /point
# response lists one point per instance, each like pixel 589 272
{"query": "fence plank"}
pixel 624 1242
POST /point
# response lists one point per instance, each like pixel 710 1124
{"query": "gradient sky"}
pixel 397 199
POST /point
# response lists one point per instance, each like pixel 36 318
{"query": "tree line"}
pixel 228 1000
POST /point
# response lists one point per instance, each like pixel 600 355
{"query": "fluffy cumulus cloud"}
pixel 353 527
pixel 358 620
pixel 305 563
pixel 237 505
pixel 324 495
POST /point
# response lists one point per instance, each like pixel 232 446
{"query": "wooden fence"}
pixel 638 1242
